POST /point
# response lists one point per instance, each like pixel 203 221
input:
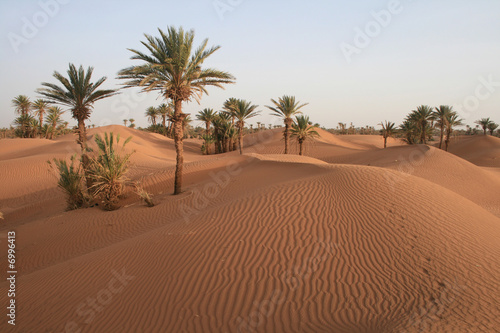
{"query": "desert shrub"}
pixel 108 170
pixel 144 195
pixel 71 181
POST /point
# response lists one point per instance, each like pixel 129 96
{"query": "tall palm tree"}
pixel 40 106
pixel 165 111
pixel 132 125
pixel 229 108
pixel 173 69
pixel 125 121
pixel 286 107
pixel 484 122
pixel 441 114
pixel 222 127
pixel 492 127
pixel 452 120
pixel 151 113
pixel 54 119
pixel 22 105
pixel 79 94
pixel 206 115
pixel 244 110
pixel 422 116
pixel 388 130
pixel 302 129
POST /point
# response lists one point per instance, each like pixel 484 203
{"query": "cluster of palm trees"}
pixel 225 129
pixel 487 125
pixel 38 118
pixel 132 122
pixel 418 126
pixel 228 125
pixel 164 113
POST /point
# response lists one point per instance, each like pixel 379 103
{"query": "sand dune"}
pixel 261 242
pixel 479 149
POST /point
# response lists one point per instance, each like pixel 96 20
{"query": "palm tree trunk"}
pixel 385 142
pixel 300 147
pixel 423 134
pixel 164 122
pixel 179 145
pixel 82 140
pixel 41 122
pixel 288 122
pixel 240 138
pixel 442 135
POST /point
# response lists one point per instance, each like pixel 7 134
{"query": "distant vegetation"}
pixel 422 124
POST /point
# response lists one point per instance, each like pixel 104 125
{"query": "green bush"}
pixel 108 170
pixel 71 181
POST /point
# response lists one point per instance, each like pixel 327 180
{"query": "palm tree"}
pixel 79 94
pixel 125 121
pixel 207 116
pixel 243 110
pixel 132 125
pixel 40 107
pixel 302 130
pixel 388 130
pixel 165 111
pixel 24 121
pixel 452 120
pixel 22 105
pixel 410 131
pixel 422 117
pixel 54 118
pixel 286 107
pixel 441 114
pixel 229 108
pixel 342 128
pixel 484 123
pixel 492 127
pixel 176 72
pixel 151 113
pixel 222 126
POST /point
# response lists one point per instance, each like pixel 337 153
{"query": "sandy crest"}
pixel 265 243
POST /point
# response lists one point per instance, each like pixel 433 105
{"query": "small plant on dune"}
pixel 144 195
pixel 71 181
pixel 108 170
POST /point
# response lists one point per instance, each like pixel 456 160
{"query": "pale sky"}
pixel 352 61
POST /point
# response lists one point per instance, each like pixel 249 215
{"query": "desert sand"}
pixel 350 238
